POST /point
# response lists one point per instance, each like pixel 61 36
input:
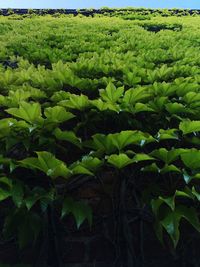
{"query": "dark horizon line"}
pixel 102 8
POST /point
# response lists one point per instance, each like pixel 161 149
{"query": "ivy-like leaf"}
pixel 80 211
pixel 171 224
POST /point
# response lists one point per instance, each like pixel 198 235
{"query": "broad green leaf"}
pixel 119 161
pixel 47 163
pixel 118 141
pixel 59 96
pixel 189 126
pixel 101 142
pixel 191 159
pixel 30 112
pixel 151 168
pixel 125 138
pixel 167 156
pixel 142 157
pixel 57 114
pixel 16 97
pixel 80 170
pixel 177 108
pixel 158 103
pixel 91 163
pixel 140 107
pixel 79 102
pixel 167 134
pixel 100 105
pixel 134 95
pixel 68 136
pixel 131 79
pixel 111 93
pixel 169 168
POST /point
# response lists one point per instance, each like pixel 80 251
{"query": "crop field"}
pixel 110 101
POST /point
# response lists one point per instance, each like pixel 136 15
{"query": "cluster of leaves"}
pixel 120 99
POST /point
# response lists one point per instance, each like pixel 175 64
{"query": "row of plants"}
pixel 129 12
pixel 116 98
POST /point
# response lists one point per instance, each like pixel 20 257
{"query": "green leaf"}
pixel 167 156
pixel 68 136
pixel 79 102
pixel 186 192
pixel 131 79
pixel 39 194
pixel 119 161
pixel 167 134
pixel 80 170
pixel 134 95
pixel 140 107
pixel 169 168
pixel 90 163
pixel 57 114
pixel 111 93
pixel 125 138
pixel 177 108
pixel 101 142
pixel 169 201
pixel 191 159
pixel 171 224
pixel 189 126
pixel 190 214
pixel 100 105
pixel 118 141
pixel 47 163
pixel 151 168
pixel 30 112
pixel 80 211
pixel 142 157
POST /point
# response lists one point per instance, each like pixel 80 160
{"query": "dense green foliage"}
pixel 81 97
